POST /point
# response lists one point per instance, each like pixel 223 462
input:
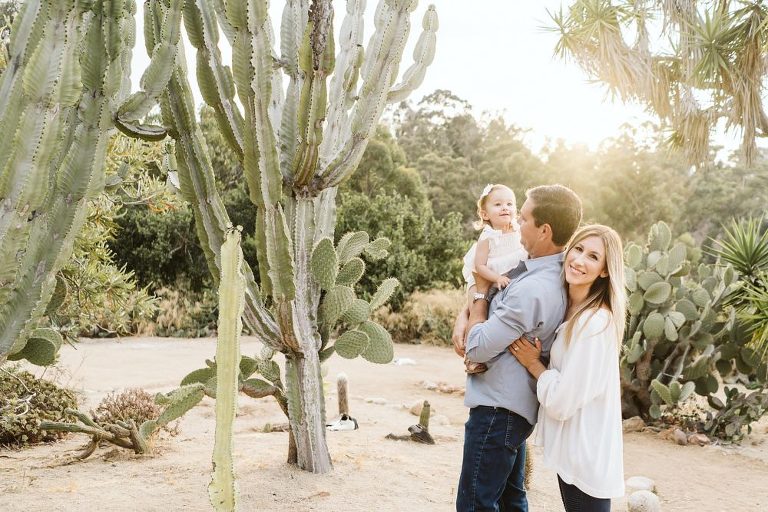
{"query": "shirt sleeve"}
pixel 521 310
pixel 584 375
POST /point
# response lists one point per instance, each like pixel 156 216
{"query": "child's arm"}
pixel 481 265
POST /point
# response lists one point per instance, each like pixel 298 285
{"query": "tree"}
pixel 69 91
pixel 713 69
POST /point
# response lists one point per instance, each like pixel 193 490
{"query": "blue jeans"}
pixel 493 469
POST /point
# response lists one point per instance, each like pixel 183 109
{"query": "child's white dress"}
pixel 505 252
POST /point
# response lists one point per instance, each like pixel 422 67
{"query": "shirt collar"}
pixel 534 263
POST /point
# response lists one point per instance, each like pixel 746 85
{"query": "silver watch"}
pixel 479 296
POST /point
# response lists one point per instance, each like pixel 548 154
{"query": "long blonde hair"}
pixel 605 291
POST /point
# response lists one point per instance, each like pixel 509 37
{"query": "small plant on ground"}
pixel 25 402
pixel 130 405
pixel 736 415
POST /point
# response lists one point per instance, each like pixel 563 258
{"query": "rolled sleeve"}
pixel 518 312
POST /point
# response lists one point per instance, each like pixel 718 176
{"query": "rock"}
pixel 402 361
pixel 415 408
pixel 376 400
pixel 640 483
pixel 643 501
pixel 633 424
pixel 428 385
pixel 699 439
pixel 680 437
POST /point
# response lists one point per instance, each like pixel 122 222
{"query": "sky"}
pixel 495 54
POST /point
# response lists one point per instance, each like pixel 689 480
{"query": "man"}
pixel 502 401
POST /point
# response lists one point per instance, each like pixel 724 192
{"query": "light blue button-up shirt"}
pixel 532 305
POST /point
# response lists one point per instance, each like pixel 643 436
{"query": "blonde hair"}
pixel 487 191
pixel 604 291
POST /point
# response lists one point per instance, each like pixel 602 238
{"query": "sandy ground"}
pixel 370 472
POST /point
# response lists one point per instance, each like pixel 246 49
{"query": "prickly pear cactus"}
pixel 679 328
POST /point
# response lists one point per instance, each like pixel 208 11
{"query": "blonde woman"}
pixel 579 423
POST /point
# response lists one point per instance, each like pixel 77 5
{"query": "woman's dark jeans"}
pixel 493 470
pixel 576 500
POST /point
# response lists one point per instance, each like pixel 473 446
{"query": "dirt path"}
pixel 370 473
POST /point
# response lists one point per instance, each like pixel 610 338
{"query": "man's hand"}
pixel 460 331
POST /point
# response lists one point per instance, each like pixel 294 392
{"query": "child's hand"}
pixel 502 282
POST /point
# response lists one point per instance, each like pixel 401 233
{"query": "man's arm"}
pixel 460 331
pixel 519 312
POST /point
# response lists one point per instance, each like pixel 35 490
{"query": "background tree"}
pixel 712 69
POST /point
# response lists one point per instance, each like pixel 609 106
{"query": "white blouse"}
pixel 504 252
pixel 580 415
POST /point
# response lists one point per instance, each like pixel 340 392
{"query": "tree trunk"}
pixel 306 403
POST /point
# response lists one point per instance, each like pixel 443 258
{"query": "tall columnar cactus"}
pixel 680 330
pixel 67 72
pixel 231 300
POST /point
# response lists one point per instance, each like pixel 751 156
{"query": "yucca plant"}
pixel 744 244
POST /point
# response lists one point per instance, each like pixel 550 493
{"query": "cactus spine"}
pixel 231 302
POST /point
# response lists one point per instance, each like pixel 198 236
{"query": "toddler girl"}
pixel 498 250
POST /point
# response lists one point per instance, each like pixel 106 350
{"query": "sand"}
pixel 370 472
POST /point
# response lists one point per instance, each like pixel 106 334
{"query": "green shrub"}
pixel 426 317
pixel 182 313
pixel 425 253
pixel 25 402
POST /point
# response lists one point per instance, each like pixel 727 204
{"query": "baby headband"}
pixel 487 190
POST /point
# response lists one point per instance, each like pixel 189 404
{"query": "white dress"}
pixel 505 252
pixel 579 423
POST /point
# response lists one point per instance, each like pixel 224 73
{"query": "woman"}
pixel 580 415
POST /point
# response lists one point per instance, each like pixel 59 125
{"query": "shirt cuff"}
pixel 546 379
pixel 472 338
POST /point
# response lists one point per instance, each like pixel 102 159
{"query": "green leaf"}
pixel 633 255
pixel 630 279
pixel 352 245
pixel 384 292
pixel 380 349
pixel 688 309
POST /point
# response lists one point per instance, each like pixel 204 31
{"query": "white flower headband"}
pixel 487 190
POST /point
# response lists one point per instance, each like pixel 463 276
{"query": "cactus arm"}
pixel 379 72
pixel 221 490
pixel 316 61
pixel 199 189
pixel 215 79
pixel 221 15
pixel 344 81
pixel 294 20
pixel 155 78
pixel 253 69
pixel 423 55
pixel 26 31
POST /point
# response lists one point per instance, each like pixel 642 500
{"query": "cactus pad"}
pixel 351 344
pixel 378 249
pixel 325 264
pixel 358 312
pixel 41 347
pixel 352 245
pixel 380 349
pixel 658 293
pixel 351 272
pixel 384 292
pixel 335 303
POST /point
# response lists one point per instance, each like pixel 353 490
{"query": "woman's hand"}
pixel 528 355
